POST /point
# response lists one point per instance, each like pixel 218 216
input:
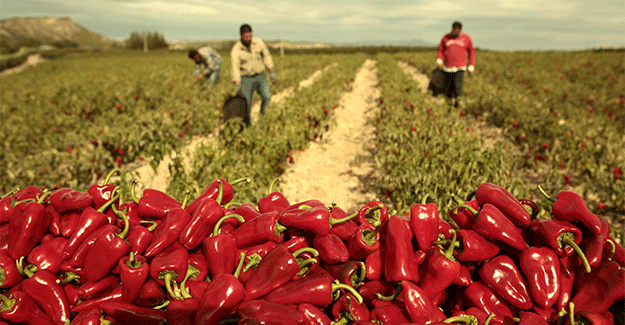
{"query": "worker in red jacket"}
pixel 452 56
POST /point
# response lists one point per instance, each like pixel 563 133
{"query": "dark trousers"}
pixel 453 84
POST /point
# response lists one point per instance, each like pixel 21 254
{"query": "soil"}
pixel 31 61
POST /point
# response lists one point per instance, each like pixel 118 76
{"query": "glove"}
pixel 272 75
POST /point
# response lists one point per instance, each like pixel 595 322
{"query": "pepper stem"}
pixel 542 191
pixel 241 180
pixel 224 218
pixel 467 319
pixel 374 209
pixel 569 241
pixel 163 305
pixel 571 312
pixel 424 200
pixel 220 191
pixel 43 196
pixel 252 261
pixel 305 263
pixel 275 180
pixel 449 252
pixel 132 262
pixel 237 272
pixel 192 272
pixel 7 303
pixel 487 321
pixel 468 207
pixel 334 221
pixel 71 276
pixel 124 232
pixel 168 278
pixel 133 195
pixel 8 193
pixel 398 290
pixel 115 171
pixel 114 197
pixel 186 198
pixel 613 250
pixel 363 272
pixel 339 286
pixel 279 228
pixel 231 203
pixel 370 235
pixel 311 250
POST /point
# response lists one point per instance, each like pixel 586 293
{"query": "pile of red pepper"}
pixel 89 257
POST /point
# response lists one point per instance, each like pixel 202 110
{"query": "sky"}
pixel 501 25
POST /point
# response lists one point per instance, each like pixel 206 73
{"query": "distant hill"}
pixel 412 43
pixel 37 31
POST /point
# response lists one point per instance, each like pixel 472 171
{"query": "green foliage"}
pixel 154 40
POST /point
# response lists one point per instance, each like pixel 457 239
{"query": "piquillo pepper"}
pixel 203 220
pixel 103 193
pixel 170 265
pixel 364 241
pixel 601 289
pixel 492 223
pixel 314 315
pixel 275 201
pixel 344 229
pixel 569 206
pixel 374 212
pixel 92 290
pixel 319 291
pixel 561 236
pixel 48 255
pixel 400 262
pixel 424 219
pixel 419 307
pixel 29 223
pixel 593 246
pixel 259 230
pixel 462 216
pixel 488 193
pixel 20 308
pixel 49 295
pixel 440 270
pixel 220 250
pixel 127 313
pixel 154 204
pixel 352 272
pixel 9 274
pixel 65 199
pixel 483 297
pixel 133 272
pixel 501 274
pixel 168 231
pixel 331 248
pixel 265 312
pixel 314 218
pixel 473 247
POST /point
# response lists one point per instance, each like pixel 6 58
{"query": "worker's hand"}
pixel 273 77
pixel 199 77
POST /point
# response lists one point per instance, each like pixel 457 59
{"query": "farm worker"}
pixel 249 57
pixel 211 60
pixel 452 55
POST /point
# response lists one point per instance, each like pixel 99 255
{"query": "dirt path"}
pixel 158 179
pixel 339 169
pixel 32 60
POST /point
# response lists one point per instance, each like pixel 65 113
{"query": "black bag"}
pixel 437 82
pixel 235 106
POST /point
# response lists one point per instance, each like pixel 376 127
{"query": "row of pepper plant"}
pixel 68 121
pixel 563 110
pixel 263 151
pixel 424 149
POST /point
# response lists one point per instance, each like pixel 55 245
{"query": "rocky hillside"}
pixel 36 31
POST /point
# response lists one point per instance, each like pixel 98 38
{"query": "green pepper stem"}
pixel 192 272
pixel 363 272
pixel 252 261
pixel 370 235
pixel 425 199
pixel 124 232
pixel 133 195
pixel 306 249
pixel 305 263
pixel 467 319
pixel 449 252
pixel 115 171
pixel 468 207
pixel 237 272
pixel 342 321
pixel 132 262
pixel 224 218
pixel 7 303
pixel 241 180
pixel 334 221
pixel 398 290
pixel 569 241
pixel 231 203
pixel 168 278
pixel 279 228
pixel 542 191
pixel 107 322
pixel 572 312
pixel 487 321
pixel 8 193
pixel 220 191
pixel 163 305
pixel 114 197
pixel 275 180
pixel 613 250
pixel 339 286
pixel 186 198
pixel 43 196
pixel 71 276
pixel 373 209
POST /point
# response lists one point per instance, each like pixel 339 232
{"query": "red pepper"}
pixel 318 290
pixel 204 218
pixel 586 317
pixel 92 316
pixel 133 272
pixel 501 274
pixel 364 241
pixel 69 222
pixel 331 249
pixel 568 267
pixel 214 189
pixel 344 229
pixel 48 255
pixel 488 193
pixel 127 313
pixel 296 243
pixel 49 295
pixel 483 297
pixel 65 199
pixel 530 318
pixel 6 208
pixel 492 223
pixel 464 277
pixel 351 272
pixel 30 192
pixel 265 312
pixel 561 236
pixel 101 194
pixel 274 270
pixel 248 211
pixel 168 231
pixel 197 262
pixel 592 246
pixel 259 230
pixel 390 314
pixel 440 270
pixel 9 274
pixel 90 220
pixel 313 315
pixel 29 223
pixel 20 308
pixel 151 294
pixel 92 290
pixel 222 295
pixel 260 250
pixel 170 265
pixel 351 308
pixel 424 221
pixel 154 204
pixel 4 238
pixel 601 289
pixel 182 312
pixel 374 263
pixel 78 260
pixel 316 219
pixel 400 262
pixel 220 250
pixel 473 247
pixel 569 206
pixel 139 238
pixel 369 290
pixel 419 307
pixel 114 295
pixel 541 268
pixel 375 212
pixel 275 201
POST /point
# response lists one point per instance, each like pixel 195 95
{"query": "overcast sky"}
pixel 493 24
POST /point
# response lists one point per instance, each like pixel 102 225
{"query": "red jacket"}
pixel 453 53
